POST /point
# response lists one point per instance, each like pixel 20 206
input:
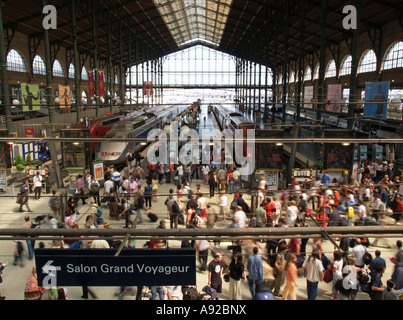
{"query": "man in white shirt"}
pixel 37 185
pixel 358 252
pixel 241 215
pixel 223 203
pixel 205 171
pixel 362 212
pixel 313 270
pixel 108 185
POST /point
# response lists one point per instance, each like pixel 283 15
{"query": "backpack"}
pixel 94 187
pixel 56 203
pixel 99 212
pixel 175 207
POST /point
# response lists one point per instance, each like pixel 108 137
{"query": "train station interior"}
pixel 221 106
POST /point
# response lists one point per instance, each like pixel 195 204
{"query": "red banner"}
pixel 101 83
pixel 151 88
pixel 144 88
pixel 91 83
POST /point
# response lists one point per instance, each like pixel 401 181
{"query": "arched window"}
pixel 38 66
pixel 71 71
pixel 331 70
pixel 394 57
pixel 308 74
pixel 368 62
pixel 84 74
pixel 15 62
pixel 292 77
pixel 346 66
pixel 316 73
pixel 58 69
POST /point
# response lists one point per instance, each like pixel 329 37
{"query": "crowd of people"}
pixel 372 198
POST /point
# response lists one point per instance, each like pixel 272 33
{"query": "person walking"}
pixel 291 277
pixel 215 270
pixel 23 197
pixel 255 269
pixel 312 269
pixel 236 272
pixel 37 185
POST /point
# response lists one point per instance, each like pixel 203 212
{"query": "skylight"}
pixel 195 20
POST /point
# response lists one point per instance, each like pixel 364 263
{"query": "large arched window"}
pixel 58 69
pixel 368 62
pixel 292 77
pixel 316 73
pixel 38 66
pixel 71 71
pixel 346 66
pixel 84 74
pixel 331 69
pixel 394 57
pixel 15 62
pixel 308 74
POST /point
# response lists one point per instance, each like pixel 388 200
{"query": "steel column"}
pixel 4 75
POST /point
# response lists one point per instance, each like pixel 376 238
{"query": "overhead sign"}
pixel 99 267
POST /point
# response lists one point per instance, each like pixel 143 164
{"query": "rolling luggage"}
pixel 264 296
pixel 153 217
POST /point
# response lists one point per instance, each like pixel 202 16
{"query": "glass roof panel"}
pixel 188 20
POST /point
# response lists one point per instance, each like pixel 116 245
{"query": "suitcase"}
pixel 153 217
pixel 264 296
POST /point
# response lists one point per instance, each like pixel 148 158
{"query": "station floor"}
pixel 15 277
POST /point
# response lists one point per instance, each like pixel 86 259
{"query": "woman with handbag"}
pixel 235 272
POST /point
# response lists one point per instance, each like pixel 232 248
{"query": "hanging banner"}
pixel 333 97
pixel 308 96
pixel 30 97
pixel 376 99
pixel 151 88
pixel 91 83
pixel 144 88
pixel 65 98
pixel 101 83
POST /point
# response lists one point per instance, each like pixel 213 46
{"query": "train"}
pixel 228 119
pixel 114 152
pixel 99 127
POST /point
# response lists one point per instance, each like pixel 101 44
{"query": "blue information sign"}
pixel 100 267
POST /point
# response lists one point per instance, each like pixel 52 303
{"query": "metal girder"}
pixel 33 44
pixel 9 35
pixel 375 35
pixel 55 48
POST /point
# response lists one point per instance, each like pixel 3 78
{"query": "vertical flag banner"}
pixel 376 99
pixel 64 96
pixel 101 83
pixel 30 97
pixel 151 88
pixel 144 88
pixel 91 84
pixel 333 97
pixel 308 96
